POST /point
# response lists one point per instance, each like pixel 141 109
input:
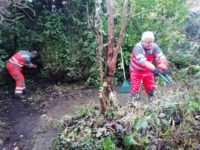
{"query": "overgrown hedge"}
pixel 67 45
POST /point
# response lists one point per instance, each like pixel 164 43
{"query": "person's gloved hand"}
pixel 164 71
pixel 33 66
pixel 156 72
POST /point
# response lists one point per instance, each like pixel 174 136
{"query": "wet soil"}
pixel 20 125
pixel 34 124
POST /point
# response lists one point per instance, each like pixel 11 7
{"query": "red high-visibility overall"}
pixel 136 76
pixel 140 73
pixel 14 66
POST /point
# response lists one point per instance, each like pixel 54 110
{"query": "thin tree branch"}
pixel 5 14
pixel 1 18
pixel 146 11
pixel 122 29
pixel 90 22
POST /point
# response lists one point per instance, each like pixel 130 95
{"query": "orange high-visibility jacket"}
pixel 21 59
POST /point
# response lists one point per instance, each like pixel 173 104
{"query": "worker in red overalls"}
pixel 14 66
pixel 141 67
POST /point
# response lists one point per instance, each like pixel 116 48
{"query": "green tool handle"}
pixel 167 79
pixel 123 68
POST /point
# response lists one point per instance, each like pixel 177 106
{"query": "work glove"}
pixel 33 66
pixel 156 72
pixel 164 71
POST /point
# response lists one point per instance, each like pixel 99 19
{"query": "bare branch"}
pixel 23 6
pixel 130 11
pixel 4 10
pixel 4 4
pixel 110 24
pixel 1 18
pixel 122 29
pixel 144 12
pixel 99 39
pixel 90 22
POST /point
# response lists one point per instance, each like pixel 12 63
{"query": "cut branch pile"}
pixel 133 127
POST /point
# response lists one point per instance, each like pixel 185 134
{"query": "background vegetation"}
pixel 59 31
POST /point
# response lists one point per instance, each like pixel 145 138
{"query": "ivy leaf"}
pixel 192 106
pixel 167 132
pixel 141 122
pixel 128 140
pixel 164 121
pixel 108 144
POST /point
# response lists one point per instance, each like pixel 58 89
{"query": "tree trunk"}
pixel 99 37
pixel 110 62
pixel 112 52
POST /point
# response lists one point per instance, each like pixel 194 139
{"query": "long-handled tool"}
pixel 125 88
pixel 166 78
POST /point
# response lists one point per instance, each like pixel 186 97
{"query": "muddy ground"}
pixel 35 123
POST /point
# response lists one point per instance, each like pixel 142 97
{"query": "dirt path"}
pixel 63 109
pixel 21 122
pixel 35 128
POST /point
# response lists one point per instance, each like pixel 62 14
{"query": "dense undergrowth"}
pixel 171 122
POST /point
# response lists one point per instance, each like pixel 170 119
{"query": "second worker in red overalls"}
pixel 14 66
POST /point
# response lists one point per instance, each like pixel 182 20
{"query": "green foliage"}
pixel 166 132
pixel 108 144
pixel 164 18
pixel 66 55
pixel 184 50
pixel 92 79
pixel 193 69
pixel 192 106
pixel 128 140
pixel 181 50
pixel 192 25
pixel 3 56
pixel 135 140
pixel 60 30
pixel 85 110
pixel 60 33
pixel 141 122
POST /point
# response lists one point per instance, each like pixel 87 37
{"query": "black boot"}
pixel 151 96
pixel 135 97
pixel 19 96
pixel 26 91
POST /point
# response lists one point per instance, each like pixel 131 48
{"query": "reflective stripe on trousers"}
pixel 16 73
